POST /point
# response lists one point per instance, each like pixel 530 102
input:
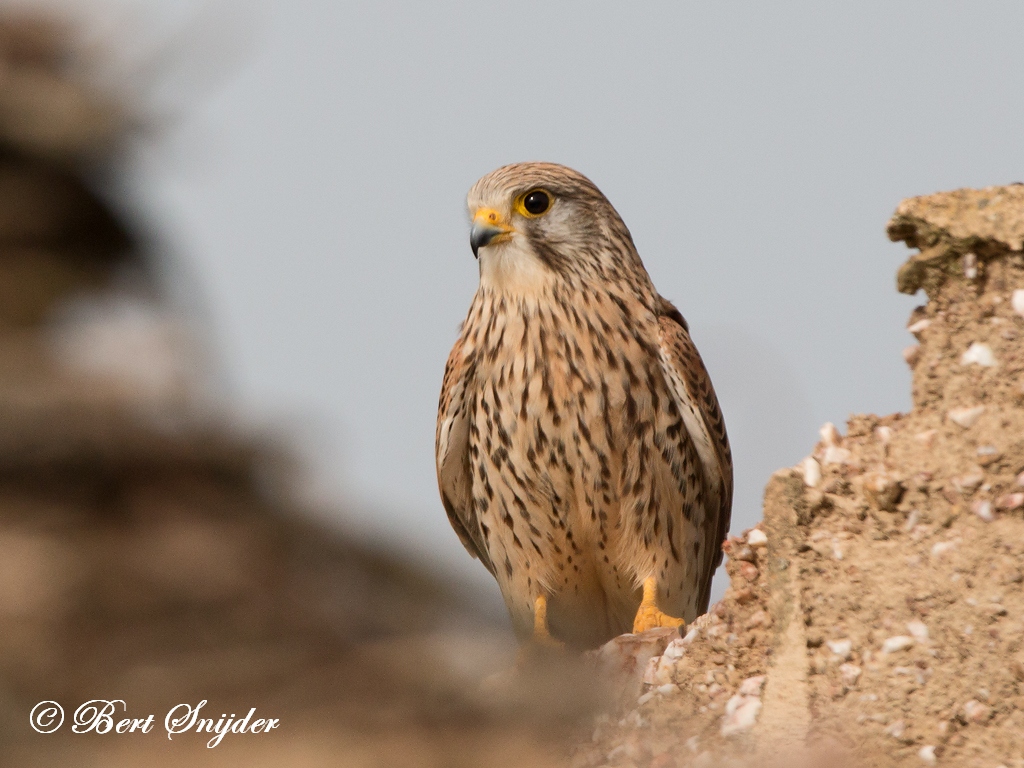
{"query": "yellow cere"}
pixel 490 218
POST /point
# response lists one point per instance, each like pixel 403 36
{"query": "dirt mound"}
pixel 881 598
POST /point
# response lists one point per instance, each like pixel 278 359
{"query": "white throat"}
pixel 513 268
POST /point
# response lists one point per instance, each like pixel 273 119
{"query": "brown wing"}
pixel 698 397
pixel 451 450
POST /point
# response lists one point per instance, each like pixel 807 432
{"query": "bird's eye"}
pixel 536 203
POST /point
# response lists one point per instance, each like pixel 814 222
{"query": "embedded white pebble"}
pixel 918 630
pixel 757 538
pixel 970 264
pixel 978 354
pixel 926 437
pixel 965 417
pixel 883 435
pixel 812 472
pixel 668 689
pixel 1010 501
pixel 675 650
pixel 1017 301
pixel 650 670
pixel 920 325
pixel 927 754
pixel 645 698
pixel 849 673
pixel 836 455
pixel 841 648
pixel 976 712
pixel 896 729
pixel 912 520
pixel 829 434
pixel 969 481
pixel 983 509
pixel 897 643
pixel 693 744
pixel 740 714
pixel 752 686
pixel 942 547
pixel 659 671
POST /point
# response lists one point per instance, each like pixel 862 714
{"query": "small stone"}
pixel 849 673
pixel 912 354
pixel 976 712
pixel 740 714
pixel 883 435
pixel 927 754
pixel 918 630
pixel 758 619
pixel 983 509
pixel 969 481
pixel 926 437
pixel 690 636
pixel 752 686
pixel 912 520
pixel 1010 501
pixel 811 471
pixel 978 354
pixel 897 643
pixel 757 538
pixel 896 729
pixel 835 455
pixel 744 553
pixel 942 547
pixel 749 571
pixel 1017 301
pixel 675 650
pixel 841 648
pixel 970 265
pixel 829 434
pixel 965 417
pixel 919 326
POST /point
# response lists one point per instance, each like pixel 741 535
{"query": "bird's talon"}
pixel 648 616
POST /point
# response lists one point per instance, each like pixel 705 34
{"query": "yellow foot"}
pixel 541 644
pixel 541 636
pixel 648 616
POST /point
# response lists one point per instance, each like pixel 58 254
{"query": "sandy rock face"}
pixel 885 609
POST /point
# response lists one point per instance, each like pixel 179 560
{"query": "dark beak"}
pixel 481 234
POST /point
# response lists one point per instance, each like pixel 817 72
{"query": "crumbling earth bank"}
pixel 881 598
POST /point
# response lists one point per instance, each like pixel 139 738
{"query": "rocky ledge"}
pixel 876 615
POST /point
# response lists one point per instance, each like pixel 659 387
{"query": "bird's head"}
pixel 537 222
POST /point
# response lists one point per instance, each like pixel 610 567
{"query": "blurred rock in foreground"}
pixel 147 553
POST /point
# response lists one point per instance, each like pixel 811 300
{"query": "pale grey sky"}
pixel 315 192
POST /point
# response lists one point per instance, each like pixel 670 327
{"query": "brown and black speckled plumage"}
pixel 580 445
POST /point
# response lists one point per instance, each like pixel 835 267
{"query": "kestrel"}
pixel 581 451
